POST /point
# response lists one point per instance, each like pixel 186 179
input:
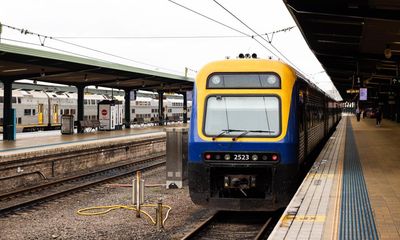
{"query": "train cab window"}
pixel 253 116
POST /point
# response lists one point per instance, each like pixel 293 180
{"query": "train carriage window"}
pixel 133 110
pixel 73 111
pixel 66 111
pixel 256 116
pixel 1 121
pixel 85 102
pixel 1 99
pixel 19 120
pixel 33 112
pixel 19 100
pixel 27 112
pixel 93 102
pixel 14 100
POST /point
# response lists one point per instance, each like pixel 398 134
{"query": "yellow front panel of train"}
pixel 284 93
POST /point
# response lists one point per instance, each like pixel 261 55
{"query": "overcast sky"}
pixel 160 35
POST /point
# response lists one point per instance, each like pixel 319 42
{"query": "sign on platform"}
pixel 363 94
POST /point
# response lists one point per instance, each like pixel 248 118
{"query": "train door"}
pixel 40 113
pixel 55 113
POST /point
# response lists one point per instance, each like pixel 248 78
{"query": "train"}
pixel 254 124
pixel 42 110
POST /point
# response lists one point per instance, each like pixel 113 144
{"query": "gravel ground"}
pixel 58 219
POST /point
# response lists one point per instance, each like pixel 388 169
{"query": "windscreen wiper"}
pixel 245 132
pixel 224 131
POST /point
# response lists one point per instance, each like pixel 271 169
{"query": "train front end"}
pixel 243 136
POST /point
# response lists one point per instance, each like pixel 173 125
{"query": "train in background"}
pixel 253 125
pixel 42 110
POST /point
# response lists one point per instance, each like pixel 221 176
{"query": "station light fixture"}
pixel 388 52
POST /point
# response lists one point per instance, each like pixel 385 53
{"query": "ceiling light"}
pixel 388 52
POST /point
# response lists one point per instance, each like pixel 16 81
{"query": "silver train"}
pixel 42 110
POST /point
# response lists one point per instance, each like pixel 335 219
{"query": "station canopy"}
pixel 19 63
pixel 356 41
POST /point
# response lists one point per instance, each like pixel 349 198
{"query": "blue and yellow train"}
pixel 253 125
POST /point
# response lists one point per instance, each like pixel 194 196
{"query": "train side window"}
pixel 72 111
pixel 33 112
pixel 19 120
pixel 1 99
pixel 85 102
pixel 1 121
pixel 93 102
pixel 133 110
pixel 14 100
pixel 27 112
pixel 19 100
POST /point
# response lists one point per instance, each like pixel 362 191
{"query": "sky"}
pixel 161 35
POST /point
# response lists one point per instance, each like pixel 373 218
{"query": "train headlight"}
pixel 254 157
pixel 272 79
pixel 216 80
pixel 227 157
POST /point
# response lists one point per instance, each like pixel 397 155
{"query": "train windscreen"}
pixel 250 116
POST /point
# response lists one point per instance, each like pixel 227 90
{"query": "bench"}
pixel 138 121
pixel 89 124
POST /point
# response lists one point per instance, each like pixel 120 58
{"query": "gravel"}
pixel 58 219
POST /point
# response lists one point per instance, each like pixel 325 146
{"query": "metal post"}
pixel 81 112
pixel 138 197
pixel 161 107
pixel 184 107
pixel 159 215
pixel 7 115
pixel 127 108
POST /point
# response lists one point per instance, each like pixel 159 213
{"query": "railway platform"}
pixel 35 158
pixel 352 190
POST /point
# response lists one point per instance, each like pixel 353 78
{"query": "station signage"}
pixel 363 94
pixel 352 90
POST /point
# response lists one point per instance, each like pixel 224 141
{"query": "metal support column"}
pixel 127 108
pixel 184 107
pixel 134 95
pixel 81 112
pixel 161 108
pixel 8 123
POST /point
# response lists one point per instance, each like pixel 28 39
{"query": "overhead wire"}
pixel 257 34
pixel 223 24
pixel 44 37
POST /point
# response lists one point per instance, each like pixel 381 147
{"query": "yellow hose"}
pixel 107 209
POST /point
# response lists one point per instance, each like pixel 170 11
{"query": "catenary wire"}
pixel 25 31
pixel 251 29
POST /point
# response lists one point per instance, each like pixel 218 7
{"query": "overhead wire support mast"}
pixel 251 29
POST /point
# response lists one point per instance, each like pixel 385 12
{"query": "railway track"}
pixel 234 225
pixel 28 197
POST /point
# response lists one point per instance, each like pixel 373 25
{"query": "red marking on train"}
pixel 104 112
